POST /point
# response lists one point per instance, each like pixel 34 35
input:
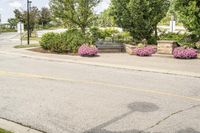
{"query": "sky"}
pixel 7 7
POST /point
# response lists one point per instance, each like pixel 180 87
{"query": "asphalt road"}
pixel 58 97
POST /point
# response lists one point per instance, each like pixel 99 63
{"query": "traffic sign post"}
pixel 20 30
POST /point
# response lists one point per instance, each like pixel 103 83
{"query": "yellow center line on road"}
pixel 29 75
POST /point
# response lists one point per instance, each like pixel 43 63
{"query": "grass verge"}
pixel 4 131
pixel 27 46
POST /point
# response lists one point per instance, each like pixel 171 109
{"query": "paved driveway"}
pixel 60 97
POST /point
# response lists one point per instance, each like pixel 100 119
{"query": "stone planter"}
pixel 109 47
pixel 198 56
pixel 166 47
pixel 129 49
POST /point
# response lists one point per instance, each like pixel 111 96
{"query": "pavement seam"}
pixel 116 66
pixel 169 116
pixel 22 125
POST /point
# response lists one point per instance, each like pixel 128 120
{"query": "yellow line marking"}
pixel 29 75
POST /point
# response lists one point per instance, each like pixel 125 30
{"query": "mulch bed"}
pixel 41 50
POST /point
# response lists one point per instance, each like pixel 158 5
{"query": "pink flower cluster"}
pixel 185 53
pixel 86 50
pixel 145 51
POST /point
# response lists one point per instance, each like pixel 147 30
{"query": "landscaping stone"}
pixel 130 49
pixel 166 47
pixel 198 56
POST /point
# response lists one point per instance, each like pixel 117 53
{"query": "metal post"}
pixel 0 23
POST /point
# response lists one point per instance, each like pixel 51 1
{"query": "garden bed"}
pixel 129 48
pixel 41 50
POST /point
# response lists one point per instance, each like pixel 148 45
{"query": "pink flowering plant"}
pixel 145 51
pixel 185 53
pixel 87 50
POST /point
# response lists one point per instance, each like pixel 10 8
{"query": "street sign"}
pixel 20 28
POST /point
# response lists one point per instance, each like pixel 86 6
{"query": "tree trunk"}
pixel 156 32
pixel 83 29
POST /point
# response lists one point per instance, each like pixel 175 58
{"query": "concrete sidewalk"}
pixel 155 63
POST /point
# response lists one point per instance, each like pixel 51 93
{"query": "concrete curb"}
pixel 116 66
pixel 16 127
pixel 170 56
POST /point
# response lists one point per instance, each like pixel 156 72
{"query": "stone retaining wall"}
pixel 166 47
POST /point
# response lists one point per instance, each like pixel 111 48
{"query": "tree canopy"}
pixel 139 17
pixel 75 13
pixel 21 16
pixel 37 17
pixel 44 16
pixel 13 22
pixel 105 19
pixel 189 14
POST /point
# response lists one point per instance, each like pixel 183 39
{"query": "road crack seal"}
pixel 169 116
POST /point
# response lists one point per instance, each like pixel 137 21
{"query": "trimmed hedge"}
pixel 68 41
pixel 172 36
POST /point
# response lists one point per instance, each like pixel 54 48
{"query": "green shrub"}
pixel 172 36
pixel 68 41
pixel 48 40
pixel 110 32
pixel 53 42
pixel 190 41
pixel 74 39
pixel 96 33
pixel 152 40
pixel 123 37
pixel 103 33
pixel 198 45
pixel 59 46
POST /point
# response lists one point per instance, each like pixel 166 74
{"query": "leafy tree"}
pixel 189 14
pixel 13 22
pixel 44 16
pixel 75 13
pixel 34 17
pixel 139 17
pixel 18 15
pixel 105 19
pixel 22 17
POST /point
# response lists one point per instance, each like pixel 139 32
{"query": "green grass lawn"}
pixel 4 131
pixel 27 46
pixel 32 38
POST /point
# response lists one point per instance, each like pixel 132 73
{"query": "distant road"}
pixel 9 35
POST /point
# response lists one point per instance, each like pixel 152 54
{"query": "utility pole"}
pixel 0 23
pixel 28 21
